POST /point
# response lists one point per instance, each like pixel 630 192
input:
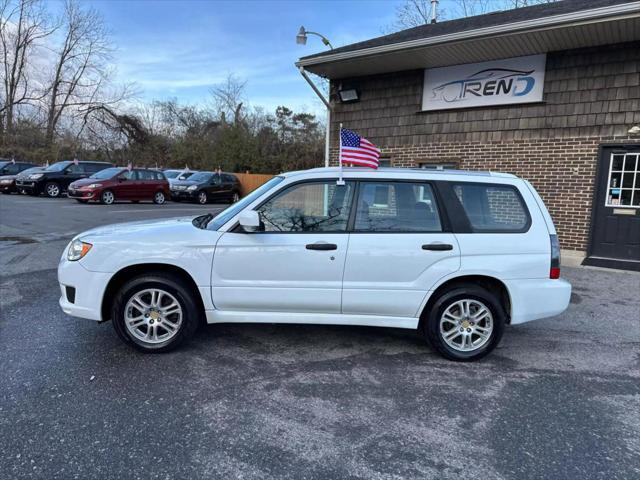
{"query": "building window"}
pixel 438 166
pixel 384 162
pixel 624 181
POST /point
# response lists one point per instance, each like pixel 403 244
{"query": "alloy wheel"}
pixel 202 198
pixel 159 198
pixel 107 197
pixel 153 316
pixel 53 190
pixel 236 197
pixel 466 325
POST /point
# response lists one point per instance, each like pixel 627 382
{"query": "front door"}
pixel 296 264
pixel 398 250
pixel 128 186
pixel 615 232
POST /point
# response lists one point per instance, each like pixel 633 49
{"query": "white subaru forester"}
pixel 456 255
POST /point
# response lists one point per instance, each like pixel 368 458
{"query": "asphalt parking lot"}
pixel 558 399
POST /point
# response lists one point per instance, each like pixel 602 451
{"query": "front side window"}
pixel 75 168
pixel 128 175
pixel 492 208
pixel 309 207
pixel 397 207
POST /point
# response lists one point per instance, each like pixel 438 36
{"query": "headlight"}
pixel 192 188
pixel 36 176
pixel 77 250
pixel 4 182
pixel 94 185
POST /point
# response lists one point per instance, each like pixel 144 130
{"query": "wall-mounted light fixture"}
pixel 348 95
pixel 635 130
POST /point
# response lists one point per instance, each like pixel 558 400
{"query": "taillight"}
pixel 554 271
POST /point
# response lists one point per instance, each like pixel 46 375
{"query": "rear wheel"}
pixel 159 198
pixel 465 323
pixel 107 197
pixel 52 189
pixel 235 197
pixel 155 313
pixel 202 198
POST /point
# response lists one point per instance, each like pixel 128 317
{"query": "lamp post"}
pixel 301 39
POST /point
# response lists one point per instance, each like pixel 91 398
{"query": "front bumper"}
pixel 82 194
pixel 28 186
pixel 534 299
pixel 184 195
pixel 85 300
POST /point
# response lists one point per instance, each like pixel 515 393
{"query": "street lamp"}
pixel 301 37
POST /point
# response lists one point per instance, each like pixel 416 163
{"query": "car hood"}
pixel 185 183
pixel 8 177
pixel 140 229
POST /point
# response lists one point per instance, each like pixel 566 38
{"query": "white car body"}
pixel 377 279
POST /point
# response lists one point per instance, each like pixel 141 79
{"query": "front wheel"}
pixel 159 198
pixel 202 198
pixel 52 189
pixel 465 323
pixel 235 197
pixel 107 197
pixel 155 313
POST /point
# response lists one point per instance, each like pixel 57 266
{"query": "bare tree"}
pixel 228 99
pixel 413 13
pixel 81 74
pixel 22 25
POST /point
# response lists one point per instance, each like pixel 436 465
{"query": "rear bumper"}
pixel 534 299
pixel 88 290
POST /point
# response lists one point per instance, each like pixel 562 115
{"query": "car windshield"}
pixel 185 175
pixel 201 177
pixel 171 173
pixel 57 167
pixel 230 212
pixel 2 164
pixel 106 173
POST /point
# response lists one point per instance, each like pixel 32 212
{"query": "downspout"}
pixel 328 105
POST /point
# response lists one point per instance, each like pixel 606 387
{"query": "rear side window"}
pixel 397 207
pixel 146 175
pixel 493 208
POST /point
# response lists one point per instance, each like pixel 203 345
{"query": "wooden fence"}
pixel 250 181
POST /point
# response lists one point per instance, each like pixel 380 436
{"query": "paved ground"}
pixel 559 399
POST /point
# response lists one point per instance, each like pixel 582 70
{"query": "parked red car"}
pixel 111 184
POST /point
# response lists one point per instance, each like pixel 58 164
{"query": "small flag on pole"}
pixel 75 161
pixel 129 166
pixel 357 150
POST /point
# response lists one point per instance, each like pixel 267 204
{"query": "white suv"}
pixel 456 255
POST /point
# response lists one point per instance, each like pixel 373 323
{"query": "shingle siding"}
pixel 591 97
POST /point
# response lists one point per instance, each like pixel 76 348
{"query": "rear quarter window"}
pixel 493 208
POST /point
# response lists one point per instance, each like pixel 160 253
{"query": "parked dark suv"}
pixel 55 179
pixel 8 171
pixel 203 187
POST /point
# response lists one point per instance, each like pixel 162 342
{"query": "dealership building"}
pixel 550 93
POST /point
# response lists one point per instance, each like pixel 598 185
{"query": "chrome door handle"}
pixel 322 246
pixel 439 247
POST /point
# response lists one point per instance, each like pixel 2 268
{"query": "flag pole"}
pixel 340 180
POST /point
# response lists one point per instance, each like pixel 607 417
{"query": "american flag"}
pixel 358 150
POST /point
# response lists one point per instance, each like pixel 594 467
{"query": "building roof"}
pixel 536 29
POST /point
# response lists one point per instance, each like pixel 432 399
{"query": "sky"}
pixel 180 49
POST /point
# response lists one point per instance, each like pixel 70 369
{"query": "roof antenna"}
pixel 434 11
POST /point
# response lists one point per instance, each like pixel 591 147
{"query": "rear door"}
pixel 399 248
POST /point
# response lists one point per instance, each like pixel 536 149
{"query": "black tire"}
pixel 202 198
pixel 52 189
pixel 107 197
pixel 192 314
pixel 431 326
